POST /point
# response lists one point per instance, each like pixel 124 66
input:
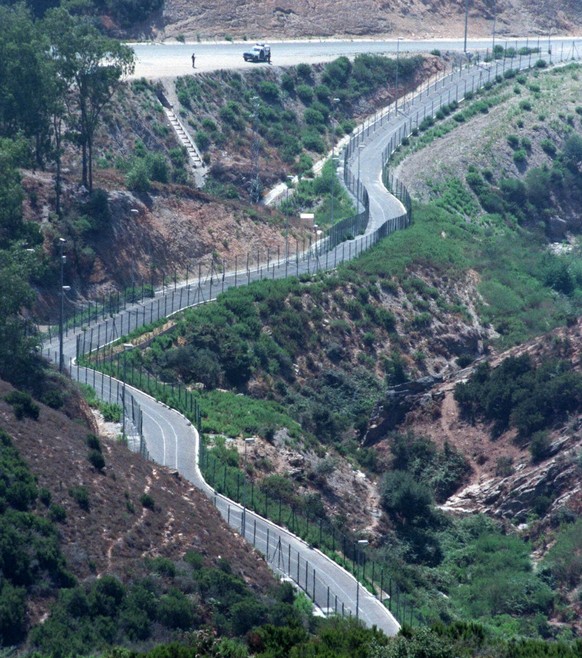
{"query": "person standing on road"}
pixel 193 60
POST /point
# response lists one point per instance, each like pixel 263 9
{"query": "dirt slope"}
pixel 288 19
pixel 117 531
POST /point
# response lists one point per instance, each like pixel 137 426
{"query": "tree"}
pixel 24 84
pixel 404 498
pixel 91 67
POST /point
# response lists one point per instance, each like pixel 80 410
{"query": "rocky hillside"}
pixel 292 19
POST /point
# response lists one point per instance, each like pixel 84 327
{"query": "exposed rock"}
pixel 399 400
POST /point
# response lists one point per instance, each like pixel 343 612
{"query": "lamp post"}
pixel 126 348
pixel 360 147
pixel 397 70
pixel 466 25
pixel 362 543
pixel 243 524
pixel 494 23
pixel 62 259
pixel 335 102
pixel 290 180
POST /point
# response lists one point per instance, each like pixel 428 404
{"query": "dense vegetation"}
pixel 521 395
pixel 286 119
pixel 170 599
pixel 31 563
pixel 264 330
pixel 253 340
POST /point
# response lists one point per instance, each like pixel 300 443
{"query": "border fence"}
pixel 106 321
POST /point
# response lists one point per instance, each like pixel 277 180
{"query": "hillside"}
pixel 110 530
pixel 388 400
pixel 293 19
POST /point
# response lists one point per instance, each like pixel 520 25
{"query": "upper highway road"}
pixel 162 60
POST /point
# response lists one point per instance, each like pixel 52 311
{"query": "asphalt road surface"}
pixel 163 60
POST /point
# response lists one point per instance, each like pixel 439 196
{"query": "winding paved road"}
pixel 172 440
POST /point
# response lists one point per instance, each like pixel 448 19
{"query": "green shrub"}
pixel 176 611
pixel 405 499
pixel 147 501
pixel 313 142
pixel 202 140
pixel 504 467
pixel 22 405
pixel 57 513
pixel 269 91
pixel 137 178
pixel 549 147
pixel 305 94
pixel 313 117
pixel 519 156
pixel 80 495
pixel 111 412
pixel 539 446
pixel 96 459
pixel 163 566
pixel 513 141
pixel 93 442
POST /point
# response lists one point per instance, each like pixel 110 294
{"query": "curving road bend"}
pixel 172 440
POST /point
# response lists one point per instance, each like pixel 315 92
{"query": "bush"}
pixel 404 498
pixel 22 405
pixel 549 147
pixel 513 141
pixel 137 178
pixel 81 496
pixel 57 513
pixel 269 91
pixel 93 442
pixel 175 611
pixel 202 140
pixel 539 446
pixel 96 459
pixel 147 501
pixel 313 142
pixel 313 117
pixel 305 94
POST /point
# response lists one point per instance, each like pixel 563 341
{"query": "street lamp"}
pixel 362 543
pixel 494 22
pixel 248 441
pixel 397 70
pixel 466 25
pixel 126 348
pixel 335 102
pixel 360 147
pixel 62 260
pixel 290 180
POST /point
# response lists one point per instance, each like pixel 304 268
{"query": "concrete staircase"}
pixel 198 167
